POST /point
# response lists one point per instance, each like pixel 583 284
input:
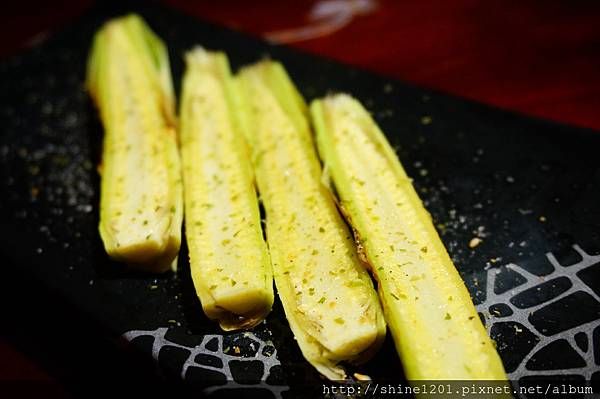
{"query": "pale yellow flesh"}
pixel 435 326
pixel 326 293
pixel 229 262
pixel 141 206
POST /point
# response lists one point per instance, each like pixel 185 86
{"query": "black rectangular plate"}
pixel 529 188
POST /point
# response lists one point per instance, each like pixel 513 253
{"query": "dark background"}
pixel 541 58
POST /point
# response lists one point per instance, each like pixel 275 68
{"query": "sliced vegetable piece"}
pixel 327 294
pixel 229 261
pixel 437 331
pixel 141 204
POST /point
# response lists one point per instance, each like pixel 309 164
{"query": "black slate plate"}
pixel 528 188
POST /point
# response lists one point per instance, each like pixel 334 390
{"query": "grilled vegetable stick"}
pixel 437 331
pixel 326 292
pixel 141 205
pixel 230 265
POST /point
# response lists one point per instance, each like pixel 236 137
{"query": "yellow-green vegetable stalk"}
pixel 141 205
pixel 437 331
pixel 327 294
pixel 229 261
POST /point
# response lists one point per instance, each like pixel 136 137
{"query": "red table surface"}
pixel 540 58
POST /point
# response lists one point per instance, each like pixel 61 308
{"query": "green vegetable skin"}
pixel 326 293
pixel 229 261
pixel 437 331
pixel 141 206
